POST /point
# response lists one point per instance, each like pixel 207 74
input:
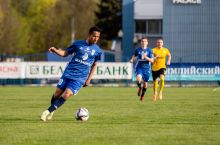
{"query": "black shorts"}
pixel 156 74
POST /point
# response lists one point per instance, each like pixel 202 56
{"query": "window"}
pixel 140 26
pixel 150 27
pixel 154 26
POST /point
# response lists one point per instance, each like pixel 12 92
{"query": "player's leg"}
pixel 72 88
pixel 61 86
pixel 161 86
pixel 155 89
pixel 56 104
pixel 66 95
pixel 155 84
pixel 146 77
pixel 144 89
pixel 161 75
pixel 54 98
pixel 139 80
pixel 56 95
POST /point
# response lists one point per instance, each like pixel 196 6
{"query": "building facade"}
pixel 190 28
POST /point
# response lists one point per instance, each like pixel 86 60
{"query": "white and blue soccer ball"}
pixel 82 114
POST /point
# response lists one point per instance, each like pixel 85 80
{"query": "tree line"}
pixel 31 26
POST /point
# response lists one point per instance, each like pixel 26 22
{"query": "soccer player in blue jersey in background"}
pixel 144 56
pixel 78 72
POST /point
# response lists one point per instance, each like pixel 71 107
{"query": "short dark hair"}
pixel 94 28
pixel 144 37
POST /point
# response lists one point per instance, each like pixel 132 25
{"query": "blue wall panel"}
pixel 128 29
pixel 191 31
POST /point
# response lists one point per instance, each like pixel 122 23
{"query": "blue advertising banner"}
pixel 192 72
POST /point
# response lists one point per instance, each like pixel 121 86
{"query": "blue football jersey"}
pixel 84 55
pixel 141 62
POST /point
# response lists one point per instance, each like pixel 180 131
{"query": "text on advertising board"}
pixel 186 1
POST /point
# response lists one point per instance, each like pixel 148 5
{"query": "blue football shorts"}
pixel 73 85
pixel 144 73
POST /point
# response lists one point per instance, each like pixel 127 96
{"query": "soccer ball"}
pixel 82 114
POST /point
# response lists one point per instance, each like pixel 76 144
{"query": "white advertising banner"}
pixel 55 70
pixel 11 70
pixel 44 69
pixel 113 71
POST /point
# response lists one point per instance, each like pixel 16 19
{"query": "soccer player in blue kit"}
pixel 144 56
pixel 78 72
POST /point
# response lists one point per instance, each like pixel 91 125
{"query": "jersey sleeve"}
pixel 136 52
pixel 153 51
pixel 98 57
pixel 168 52
pixel 151 55
pixel 71 49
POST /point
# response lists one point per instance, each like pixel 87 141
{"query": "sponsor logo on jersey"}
pixel 83 62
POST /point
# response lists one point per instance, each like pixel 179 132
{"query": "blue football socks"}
pixel 53 99
pixel 56 104
pixel 143 91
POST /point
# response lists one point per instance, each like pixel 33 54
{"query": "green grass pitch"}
pixel 186 116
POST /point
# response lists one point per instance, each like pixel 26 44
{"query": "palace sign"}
pixel 186 1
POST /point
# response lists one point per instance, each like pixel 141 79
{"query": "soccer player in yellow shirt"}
pixel 161 54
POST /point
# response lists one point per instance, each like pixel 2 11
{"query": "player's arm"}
pixel 148 58
pixel 58 51
pixel 132 59
pixel 157 56
pixel 169 59
pixel 93 67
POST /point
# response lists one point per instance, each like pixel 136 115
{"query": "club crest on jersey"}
pixel 85 56
pixel 93 52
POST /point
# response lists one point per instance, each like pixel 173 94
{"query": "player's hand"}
pixel 86 83
pixel 52 49
pixel 157 56
pixel 131 61
pixel 146 57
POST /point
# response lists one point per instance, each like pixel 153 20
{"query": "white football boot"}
pixel 44 115
pixel 49 117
